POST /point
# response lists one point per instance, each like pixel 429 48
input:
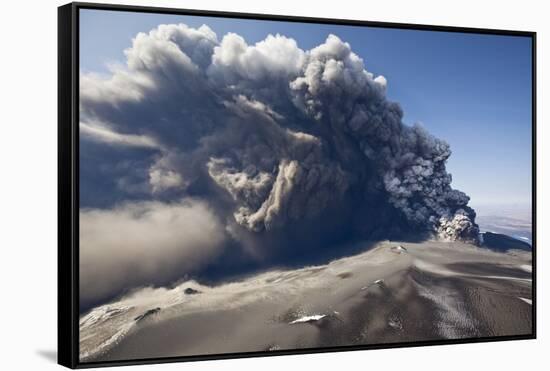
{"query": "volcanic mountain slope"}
pixel 394 292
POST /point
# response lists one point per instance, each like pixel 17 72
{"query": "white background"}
pixel 28 155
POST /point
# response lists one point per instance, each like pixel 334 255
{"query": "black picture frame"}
pixel 68 180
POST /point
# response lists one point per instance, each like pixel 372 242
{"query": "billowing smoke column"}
pixel 271 137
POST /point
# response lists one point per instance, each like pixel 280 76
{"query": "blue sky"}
pixel 472 90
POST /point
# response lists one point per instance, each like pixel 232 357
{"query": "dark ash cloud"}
pixel 291 149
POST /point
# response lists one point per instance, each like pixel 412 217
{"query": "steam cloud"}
pixel 276 140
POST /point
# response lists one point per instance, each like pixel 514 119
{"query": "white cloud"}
pixel 121 86
pixel 276 56
pixel 189 45
pixel 104 134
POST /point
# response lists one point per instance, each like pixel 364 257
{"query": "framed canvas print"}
pixel 236 185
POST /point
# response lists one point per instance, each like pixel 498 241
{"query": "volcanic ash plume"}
pixel 272 137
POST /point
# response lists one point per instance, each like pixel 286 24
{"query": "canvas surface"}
pixel 253 185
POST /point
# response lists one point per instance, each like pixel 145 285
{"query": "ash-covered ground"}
pixel 393 292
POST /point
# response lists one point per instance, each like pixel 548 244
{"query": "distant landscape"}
pixel 515 221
